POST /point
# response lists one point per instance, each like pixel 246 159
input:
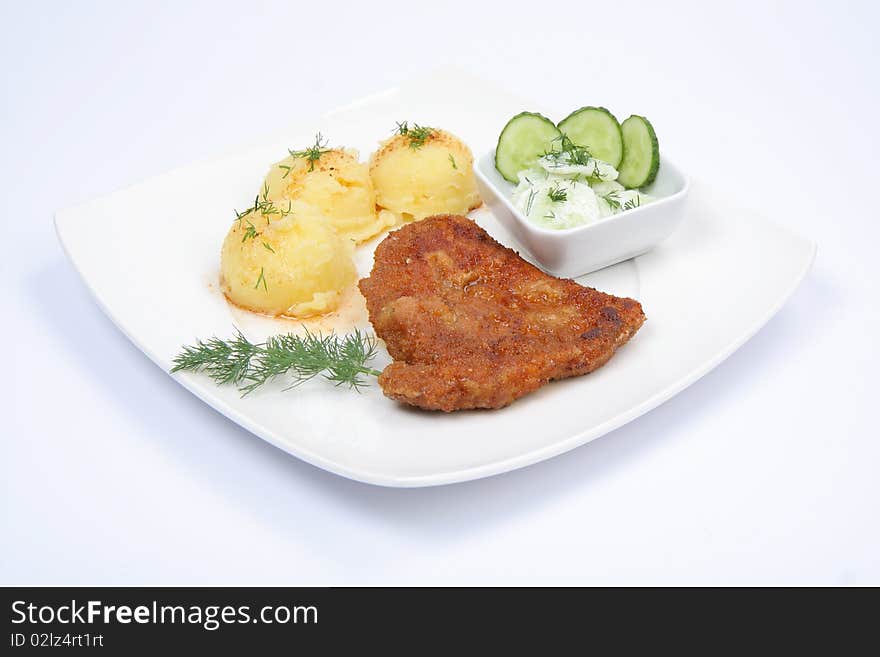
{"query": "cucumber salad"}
pixel 584 169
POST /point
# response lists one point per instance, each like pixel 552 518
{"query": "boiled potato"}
pixel 423 171
pixel 293 264
pixel 335 183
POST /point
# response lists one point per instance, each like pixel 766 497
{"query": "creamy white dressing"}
pixel 558 193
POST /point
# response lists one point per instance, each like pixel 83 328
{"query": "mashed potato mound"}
pixel 294 264
pixel 336 184
pixel 415 180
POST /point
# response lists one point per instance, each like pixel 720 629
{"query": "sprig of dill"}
pixel 612 198
pixel 261 279
pixel 417 134
pixel 339 359
pixel 312 154
pixel 633 203
pixel 532 194
pixel 452 160
pixel 241 215
pixel 250 232
pixel 568 152
pixel 265 208
pixel 557 194
pixel 225 361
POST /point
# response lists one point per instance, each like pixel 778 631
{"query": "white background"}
pixel 764 472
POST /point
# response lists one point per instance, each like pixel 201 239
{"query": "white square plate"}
pixel 150 255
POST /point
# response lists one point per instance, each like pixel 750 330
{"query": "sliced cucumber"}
pixel 641 153
pixel 596 129
pixel 525 138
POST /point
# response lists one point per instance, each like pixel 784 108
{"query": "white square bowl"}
pixel 573 252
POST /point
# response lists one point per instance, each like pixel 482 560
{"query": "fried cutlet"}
pixel 470 324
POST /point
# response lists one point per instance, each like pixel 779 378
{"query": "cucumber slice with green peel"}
pixel 525 138
pixel 596 129
pixel 641 153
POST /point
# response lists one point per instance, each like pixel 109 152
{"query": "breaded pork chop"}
pixel 470 324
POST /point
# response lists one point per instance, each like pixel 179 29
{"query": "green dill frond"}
pixel 241 215
pixel 352 353
pixel 341 360
pixel 633 203
pixel 417 134
pixel 225 361
pixel 261 279
pixel 557 194
pixel 568 152
pixel 532 194
pixel 311 154
pixel 613 199
pixel 250 232
pixel 265 208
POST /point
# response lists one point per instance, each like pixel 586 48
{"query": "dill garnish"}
pixel 452 160
pixel 265 208
pixel 241 215
pixel 225 361
pixel 632 203
pixel 532 194
pixel 261 279
pixel 250 232
pixel 568 153
pixel 612 199
pixel 557 194
pixel 340 359
pixel 312 154
pixel 417 134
